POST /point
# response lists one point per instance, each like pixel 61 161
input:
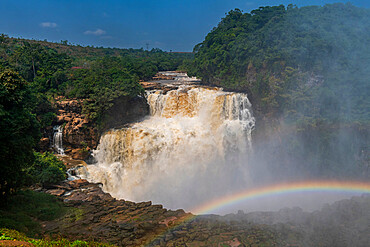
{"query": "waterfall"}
pixel 58 140
pixel 191 148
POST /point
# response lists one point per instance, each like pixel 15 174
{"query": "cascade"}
pixel 58 140
pixel 192 147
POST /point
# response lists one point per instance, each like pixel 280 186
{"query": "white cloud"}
pixel 97 32
pixel 48 24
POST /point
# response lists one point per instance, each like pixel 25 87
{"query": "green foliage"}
pixel 33 61
pixel 23 210
pixel 46 169
pixel 19 130
pixel 107 79
pixel 8 234
pixel 310 62
pixel 99 74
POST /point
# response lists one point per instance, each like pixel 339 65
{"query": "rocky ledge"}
pixel 96 216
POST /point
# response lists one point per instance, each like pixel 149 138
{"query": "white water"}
pixel 58 140
pixel 191 149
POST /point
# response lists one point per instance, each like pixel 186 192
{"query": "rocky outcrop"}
pixel 79 133
pixel 96 216
pixel 160 76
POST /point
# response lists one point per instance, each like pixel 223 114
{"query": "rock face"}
pixel 124 110
pixel 80 134
pixel 95 215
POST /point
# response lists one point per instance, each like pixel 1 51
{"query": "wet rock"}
pixel 63 186
pixel 78 183
pixel 77 196
pixel 78 132
pixel 144 204
pixel 79 153
pixel 56 192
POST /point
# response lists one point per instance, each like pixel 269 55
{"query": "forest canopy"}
pixel 303 63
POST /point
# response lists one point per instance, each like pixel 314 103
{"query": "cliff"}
pixel 124 110
pixel 80 134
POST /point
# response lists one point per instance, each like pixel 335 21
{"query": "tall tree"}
pixel 19 130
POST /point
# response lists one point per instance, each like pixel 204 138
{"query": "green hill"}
pixel 303 63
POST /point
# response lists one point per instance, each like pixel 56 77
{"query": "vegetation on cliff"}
pixel 303 63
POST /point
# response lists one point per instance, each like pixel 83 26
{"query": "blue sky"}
pixel 175 25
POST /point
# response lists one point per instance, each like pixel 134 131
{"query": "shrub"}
pixel 46 169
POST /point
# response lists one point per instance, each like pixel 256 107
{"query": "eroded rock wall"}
pixel 81 135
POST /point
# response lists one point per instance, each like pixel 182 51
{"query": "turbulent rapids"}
pixel 191 148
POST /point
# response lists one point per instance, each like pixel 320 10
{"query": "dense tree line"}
pixel 19 130
pixel 99 74
pixel 305 63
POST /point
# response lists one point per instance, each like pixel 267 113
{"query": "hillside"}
pixel 303 63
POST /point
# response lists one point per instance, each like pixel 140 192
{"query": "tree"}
pixel 46 169
pixel 19 130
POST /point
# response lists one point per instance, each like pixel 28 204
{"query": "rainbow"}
pixel 285 188
pixel 353 187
